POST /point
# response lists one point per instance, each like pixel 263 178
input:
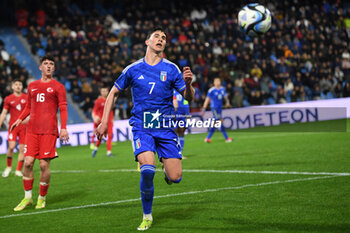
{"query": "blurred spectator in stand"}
pixel 281 97
pixel 346 92
pixel 237 100
pixel 86 88
pixel 40 17
pixel 22 17
pixel 87 106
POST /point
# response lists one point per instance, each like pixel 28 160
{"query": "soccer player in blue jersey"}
pixel 182 110
pixel 152 80
pixel 215 96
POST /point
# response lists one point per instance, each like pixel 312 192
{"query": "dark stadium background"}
pixel 304 56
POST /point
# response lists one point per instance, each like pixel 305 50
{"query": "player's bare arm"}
pixel 227 105
pixel 14 125
pixel 205 105
pixel 25 121
pixel 175 103
pixel 3 116
pixel 95 118
pixel 188 93
pixel 110 101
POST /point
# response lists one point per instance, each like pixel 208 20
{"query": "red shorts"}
pixel 20 132
pixel 109 128
pixel 40 146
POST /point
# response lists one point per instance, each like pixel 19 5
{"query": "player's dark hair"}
pixel 158 28
pixel 47 57
pixel 17 80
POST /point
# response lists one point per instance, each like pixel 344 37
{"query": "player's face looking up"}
pixel 157 41
pixel 17 87
pixel 47 67
pixel 217 82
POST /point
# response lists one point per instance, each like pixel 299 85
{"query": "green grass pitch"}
pixel 305 187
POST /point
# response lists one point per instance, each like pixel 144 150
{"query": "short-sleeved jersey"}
pixel 44 98
pixel 152 87
pixel 183 106
pixel 216 97
pixel 15 106
pixel 99 106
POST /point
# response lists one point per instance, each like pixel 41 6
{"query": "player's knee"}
pixel 44 166
pixel 176 177
pixel 28 165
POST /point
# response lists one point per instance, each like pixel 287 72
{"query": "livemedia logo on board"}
pixel 157 120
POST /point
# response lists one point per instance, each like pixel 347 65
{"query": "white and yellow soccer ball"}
pixel 254 19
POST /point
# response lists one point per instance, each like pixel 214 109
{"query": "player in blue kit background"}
pixel 215 96
pixel 182 110
pixel 152 80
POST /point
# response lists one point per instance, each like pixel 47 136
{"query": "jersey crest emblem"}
pixel 163 75
pixel 138 143
pixel 23 101
pixel 49 89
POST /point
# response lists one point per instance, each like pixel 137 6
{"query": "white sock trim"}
pixel 28 194
pixel 148 217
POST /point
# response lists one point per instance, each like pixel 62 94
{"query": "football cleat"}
pixel 40 204
pixel 146 224
pixel 228 140
pixel 6 172
pixel 18 173
pixel 110 155
pixel 138 167
pixel 23 204
pixel 207 140
pixel 94 152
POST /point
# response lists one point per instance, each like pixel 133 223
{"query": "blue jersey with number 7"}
pixel 152 88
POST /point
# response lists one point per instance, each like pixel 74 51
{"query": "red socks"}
pixel 28 183
pixel 19 165
pixel 43 189
pixel 109 143
pixel 9 161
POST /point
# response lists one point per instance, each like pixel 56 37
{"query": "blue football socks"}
pixel 223 131
pixel 146 187
pixel 211 132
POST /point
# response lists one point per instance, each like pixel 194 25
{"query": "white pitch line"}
pixel 168 195
pixel 213 171
pixel 269 172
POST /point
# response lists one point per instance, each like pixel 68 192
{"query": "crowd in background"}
pixel 304 56
pixel 10 70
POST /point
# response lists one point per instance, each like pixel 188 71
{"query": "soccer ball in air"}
pixel 254 19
